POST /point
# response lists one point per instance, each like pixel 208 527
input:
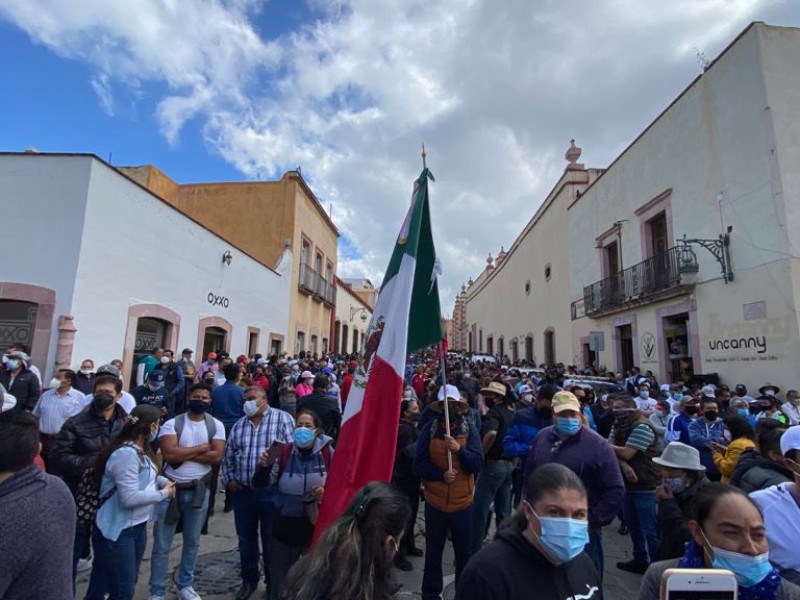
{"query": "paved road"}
pixel 217 576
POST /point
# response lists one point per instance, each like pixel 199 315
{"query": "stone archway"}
pixel 45 301
pixel 159 312
pixel 213 322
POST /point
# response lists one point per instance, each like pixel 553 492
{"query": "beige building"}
pixel 353 316
pixel 264 218
pixel 518 305
pixel 682 256
pixel 364 289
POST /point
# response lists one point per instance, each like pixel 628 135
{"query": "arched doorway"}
pixel 151 333
pixel 529 349
pixel 213 340
pixel 345 339
pixel 514 350
pixel 26 317
pixel 150 326
pixel 550 347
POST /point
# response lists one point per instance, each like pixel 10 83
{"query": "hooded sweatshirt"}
pixel 511 568
pixel 27 536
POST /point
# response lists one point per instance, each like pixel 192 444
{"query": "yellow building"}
pixel 353 316
pixel 264 219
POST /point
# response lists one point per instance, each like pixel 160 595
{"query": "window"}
pixel 550 347
pixel 318 263
pixel 328 272
pixel 611 259
pixel 252 343
pixel 300 343
pixel 324 345
pixel 305 252
pixel 313 348
pixel 657 233
pixel 547 272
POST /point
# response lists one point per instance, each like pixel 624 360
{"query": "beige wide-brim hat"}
pixel 494 388
pixel 680 456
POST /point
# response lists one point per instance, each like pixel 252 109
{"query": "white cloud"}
pixel 495 89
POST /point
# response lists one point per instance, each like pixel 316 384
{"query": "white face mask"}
pixel 86 371
pixel 55 383
pixel 165 360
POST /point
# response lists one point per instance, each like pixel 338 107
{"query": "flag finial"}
pixel 424 155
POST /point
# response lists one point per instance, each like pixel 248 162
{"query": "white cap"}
pixel 664 387
pixel 708 391
pixel 452 392
pixel 790 440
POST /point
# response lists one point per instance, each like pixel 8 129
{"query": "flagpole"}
pixel 446 404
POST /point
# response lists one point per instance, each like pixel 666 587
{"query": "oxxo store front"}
pixel 115 272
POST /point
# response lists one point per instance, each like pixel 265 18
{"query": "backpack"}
pixel 87 497
pixel 211 426
pixel 670 435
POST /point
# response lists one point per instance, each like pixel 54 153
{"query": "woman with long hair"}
pixel 728 532
pixel 353 559
pixel 128 484
pixel 742 437
pixel 539 551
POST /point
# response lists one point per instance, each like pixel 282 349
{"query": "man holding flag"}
pixel 407 317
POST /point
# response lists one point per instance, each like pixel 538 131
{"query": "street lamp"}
pixel 363 311
pixel 720 248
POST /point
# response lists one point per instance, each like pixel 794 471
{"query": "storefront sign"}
pixel 215 300
pixel 648 345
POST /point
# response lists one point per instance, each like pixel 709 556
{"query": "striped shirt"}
pixel 247 442
pixel 641 438
pixel 53 409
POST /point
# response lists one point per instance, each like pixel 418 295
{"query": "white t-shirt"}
pixel 194 433
pixel 646 404
pixel 782 520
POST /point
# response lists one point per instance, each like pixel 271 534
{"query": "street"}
pixel 217 575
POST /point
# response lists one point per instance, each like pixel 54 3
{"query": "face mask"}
pixel 749 570
pixel 198 407
pixel 86 371
pixel 407 395
pixel 675 484
pixel 690 410
pixel 154 436
pixel 165 360
pixel 303 437
pixel 528 398
pixel 100 402
pixel 250 408
pixel 55 383
pixel 743 412
pixel 563 539
pixel 568 425
pixel 12 364
pixel 711 415
pixel 644 394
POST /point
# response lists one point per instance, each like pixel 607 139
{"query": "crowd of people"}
pixel 520 470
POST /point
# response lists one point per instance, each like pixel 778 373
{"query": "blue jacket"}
pixel 524 428
pixel 701 432
pixel 227 403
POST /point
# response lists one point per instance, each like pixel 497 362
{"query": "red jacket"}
pixel 344 389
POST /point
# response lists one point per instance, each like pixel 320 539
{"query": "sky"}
pixel 348 90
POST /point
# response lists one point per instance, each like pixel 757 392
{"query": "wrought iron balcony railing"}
pixel 645 282
pixel 316 285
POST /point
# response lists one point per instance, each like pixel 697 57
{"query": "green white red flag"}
pixel 406 318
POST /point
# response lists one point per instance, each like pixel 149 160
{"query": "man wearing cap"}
pixel 705 430
pixel 123 398
pixel 571 443
pixel 682 476
pixel 186 360
pixel 154 393
pixel 210 364
pixel 19 381
pixel 322 405
pixel 494 480
pixel 448 491
pixel 780 505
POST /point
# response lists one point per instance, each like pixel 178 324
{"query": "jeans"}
pixel 494 484
pixel 252 511
pixel 639 509
pixel 595 551
pixel 162 542
pixel 437 524
pixel 83 534
pixel 116 564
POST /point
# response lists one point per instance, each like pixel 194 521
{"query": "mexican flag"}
pixel 407 317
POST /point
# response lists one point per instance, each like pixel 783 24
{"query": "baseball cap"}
pixel 187 351
pixel 156 376
pixel 525 389
pixel 664 387
pixel 565 401
pixel 212 355
pixel 790 440
pixel 708 391
pixel 108 370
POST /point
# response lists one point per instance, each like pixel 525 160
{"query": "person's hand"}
pixel 629 473
pixel 169 487
pixel 319 491
pixel 449 476
pixel 163 411
pixel 716 447
pixel 451 444
pixel 662 493
pixel 233 487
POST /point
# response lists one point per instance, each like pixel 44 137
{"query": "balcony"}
pixel 313 284
pixel 652 280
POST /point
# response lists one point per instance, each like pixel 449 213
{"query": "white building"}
pixel 352 318
pixel 725 154
pixel 101 268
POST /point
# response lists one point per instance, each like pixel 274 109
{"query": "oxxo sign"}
pixel 215 300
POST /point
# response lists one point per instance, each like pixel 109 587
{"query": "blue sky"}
pixel 212 90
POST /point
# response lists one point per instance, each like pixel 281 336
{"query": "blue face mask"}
pixel 644 394
pixel 12 364
pixel 749 570
pixel 303 437
pixel 563 539
pixel 568 425
pixel 743 412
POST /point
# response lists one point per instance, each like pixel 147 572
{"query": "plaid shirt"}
pixel 247 442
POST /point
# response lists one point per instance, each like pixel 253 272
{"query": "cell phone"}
pixel 274 452
pixel 698 584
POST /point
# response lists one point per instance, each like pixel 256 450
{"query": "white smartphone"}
pixel 698 584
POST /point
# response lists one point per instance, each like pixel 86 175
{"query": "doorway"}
pixel 550 347
pixel 214 340
pixel 150 334
pixel 529 349
pixel 679 350
pixel 625 349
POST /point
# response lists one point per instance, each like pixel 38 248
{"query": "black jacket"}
pixel 84 383
pixel 25 389
pixel 325 408
pixel 673 515
pixel 511 568
pixel 81 438
pixel 753 472
pixel 403 475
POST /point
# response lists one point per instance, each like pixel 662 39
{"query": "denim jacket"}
pixel 127 473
